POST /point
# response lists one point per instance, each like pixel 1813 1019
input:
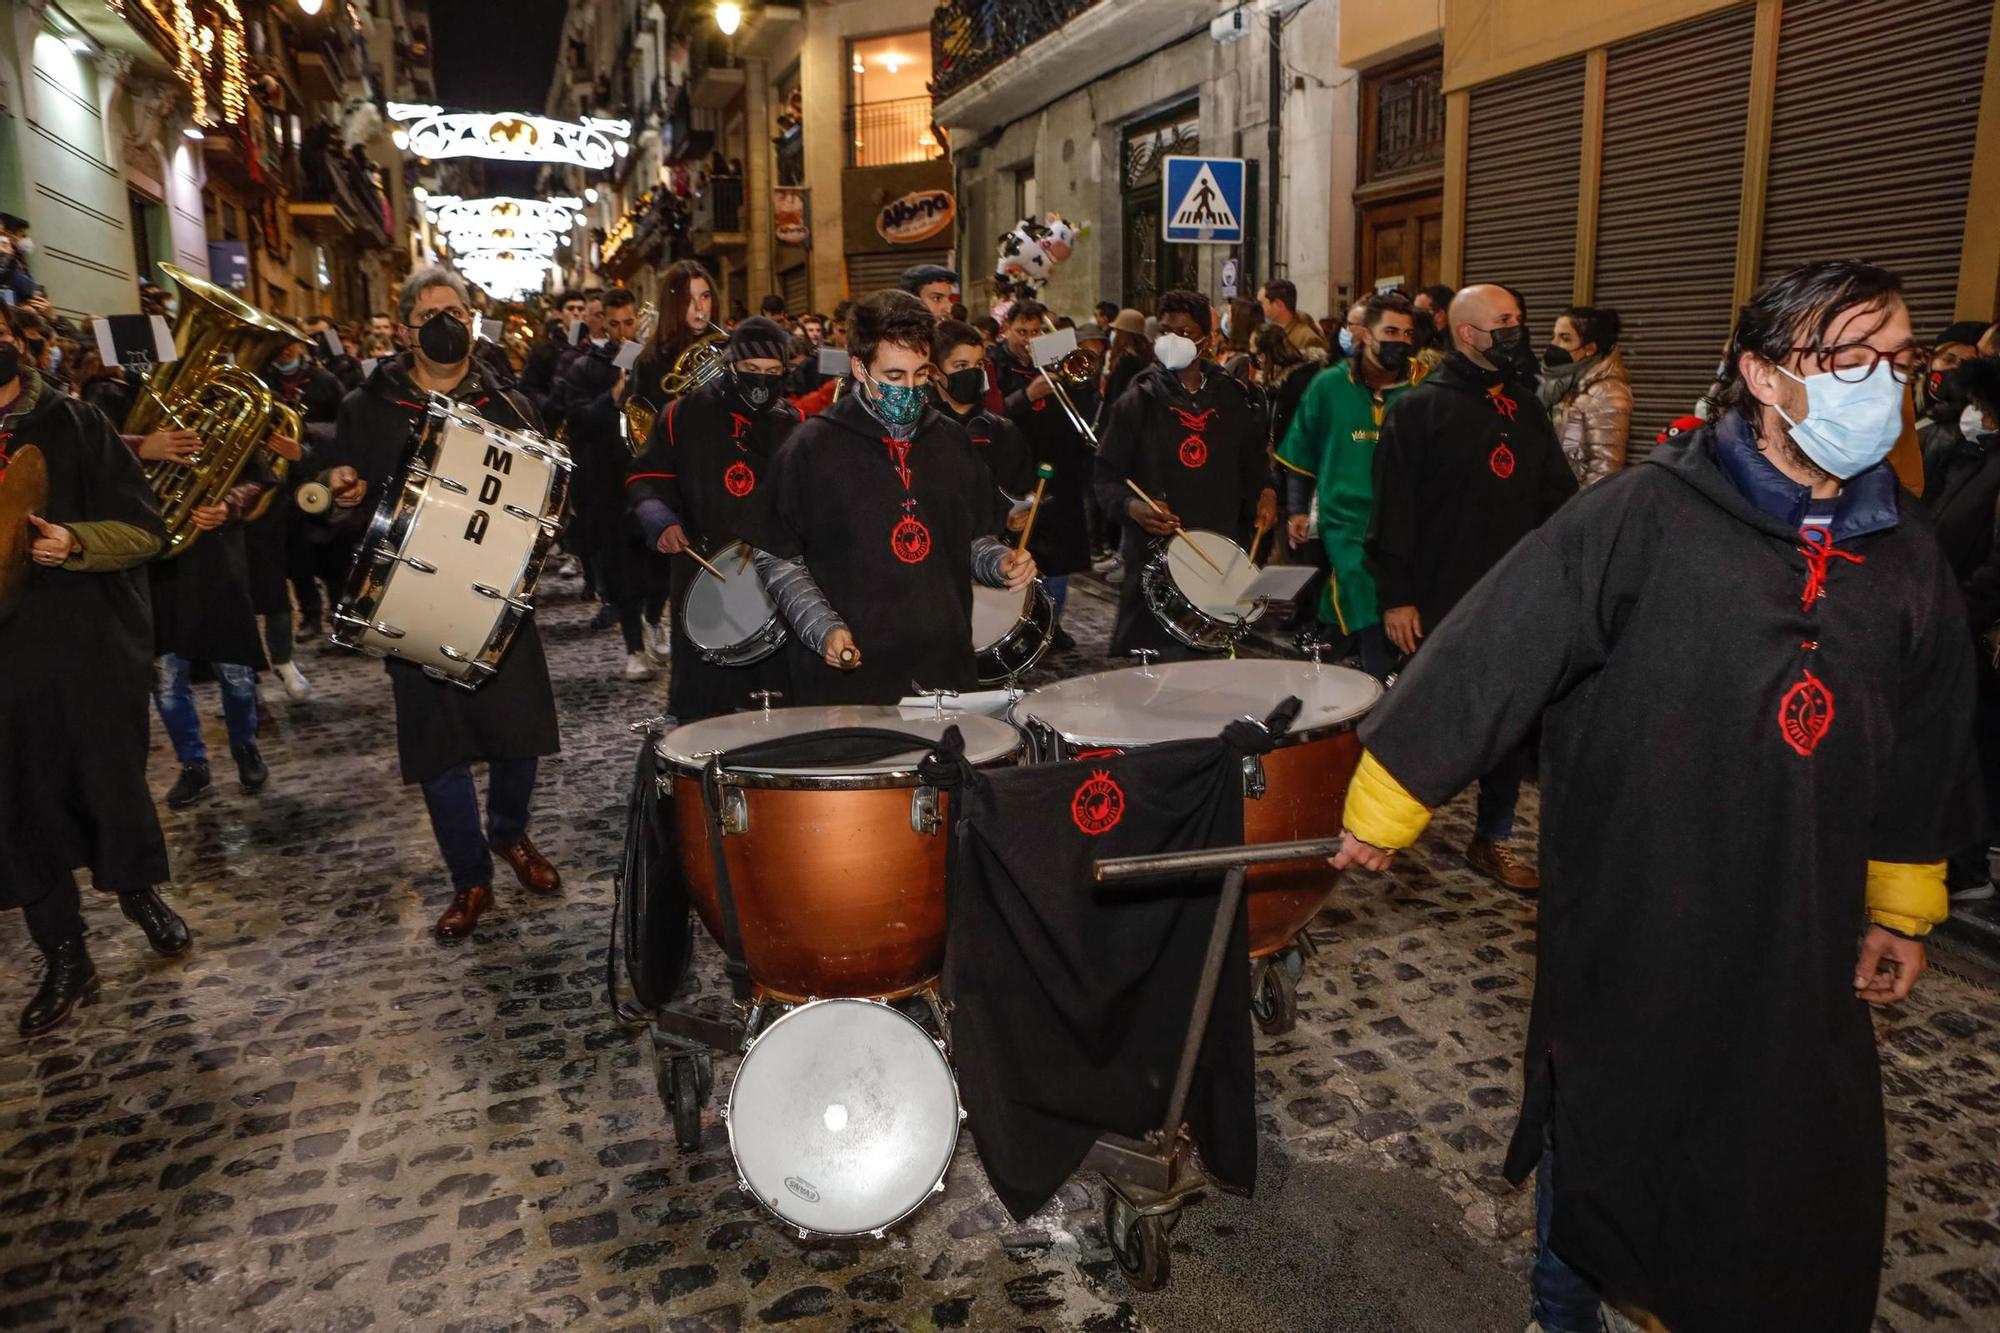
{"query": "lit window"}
pixel 889 100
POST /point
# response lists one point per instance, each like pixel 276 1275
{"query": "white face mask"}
pixel 1848 427
pixel 1972 424
pixel 1174 351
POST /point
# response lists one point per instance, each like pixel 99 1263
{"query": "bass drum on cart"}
pixel 1295 792
pixel 837 869
pixel 447 571
pixel 843 1118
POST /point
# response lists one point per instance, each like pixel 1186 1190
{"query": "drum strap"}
pixel 816 749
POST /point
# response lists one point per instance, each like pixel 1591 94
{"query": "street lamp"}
pixel 310 7
pixel 728 17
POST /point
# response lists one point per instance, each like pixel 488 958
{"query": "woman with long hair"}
pixel 687 312
pixel 1588 392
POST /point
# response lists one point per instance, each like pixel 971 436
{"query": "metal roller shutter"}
pixel 870 273
pixel 1871 140
pixel 797 291
pixel 1523 160
pixel 1671 193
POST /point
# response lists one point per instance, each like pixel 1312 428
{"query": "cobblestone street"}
pixel 322 1119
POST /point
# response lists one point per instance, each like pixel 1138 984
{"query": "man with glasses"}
pixel 1749 666
pixel 441 729
pixel 1467 466
pixel 1328 455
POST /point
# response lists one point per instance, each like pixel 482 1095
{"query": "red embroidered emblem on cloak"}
pixel 910 540
pixel 1805 714
pixel 1108 752
pixel 739 425
pixel 739 480
pixel 1194 451
pixel 1502 462
pixel 1098 804
pixel 1194 421
pixel 1502 404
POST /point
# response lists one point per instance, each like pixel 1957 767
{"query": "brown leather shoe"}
pixel 466 907
pixel 531 867
pixel 1497 862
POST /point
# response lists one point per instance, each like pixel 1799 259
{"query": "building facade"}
pixel 235 139
pixel 1069 106
pixel 1664 157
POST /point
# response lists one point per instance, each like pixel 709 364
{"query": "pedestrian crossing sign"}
pixel 1203 200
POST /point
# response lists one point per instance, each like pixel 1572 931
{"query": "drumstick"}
pixel 1042 475
pixel 695 556
pixel 1256 540
pixel 749 553
pixel 1159 508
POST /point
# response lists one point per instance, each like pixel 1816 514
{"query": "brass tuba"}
pixel 639 414
pixel 210 391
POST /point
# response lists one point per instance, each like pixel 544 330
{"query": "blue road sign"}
pixel 1202 200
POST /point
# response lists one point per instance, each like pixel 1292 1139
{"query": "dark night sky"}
pixel 495 55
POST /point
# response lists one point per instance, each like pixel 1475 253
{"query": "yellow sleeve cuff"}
pixel 1906 897
pixel 1379 811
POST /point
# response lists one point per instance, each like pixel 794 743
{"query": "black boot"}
pixel 165 930
pixel 70 980
pixel 250 767
pixel 192 786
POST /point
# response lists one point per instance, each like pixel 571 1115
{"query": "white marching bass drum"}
pixel 448 568
pixel 731 620
pixel 1010 630
pixel 843 1118
pixel 1205 606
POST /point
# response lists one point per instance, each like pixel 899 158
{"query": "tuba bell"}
pixel 699 362
pixel 209 390
pixel 640 414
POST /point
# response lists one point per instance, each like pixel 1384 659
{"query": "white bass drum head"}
pixel 843 1117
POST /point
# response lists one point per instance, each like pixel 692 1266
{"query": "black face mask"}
pixel 1557 357
pixel 1511 353
pixel 445 340
pixel 757 390
pixel 10 362
pixel 1393 357
pixel 1943 392
pixel 966 386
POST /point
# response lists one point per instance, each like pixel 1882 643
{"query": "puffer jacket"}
pixel 1594 420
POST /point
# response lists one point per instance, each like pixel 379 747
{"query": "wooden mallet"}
pixel 1159 508
pixel 1042 475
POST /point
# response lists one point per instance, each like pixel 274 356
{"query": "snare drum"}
pixel 732 621
pixel 838 873
pixel 1010 630
pixel 1294 792
pixel 449 565
pixel 1201 608
pixel 843 1118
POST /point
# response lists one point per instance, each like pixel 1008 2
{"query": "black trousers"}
pixel 56 917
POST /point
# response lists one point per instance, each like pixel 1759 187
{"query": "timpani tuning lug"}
pixel 764 697
pixel 924 815
pixel 1318 650
pixel 937 698
pixel 1146 657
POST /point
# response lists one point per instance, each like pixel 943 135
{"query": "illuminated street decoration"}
pixel 537 224
pixel 509 136
pixel 506 273
pixel 201 48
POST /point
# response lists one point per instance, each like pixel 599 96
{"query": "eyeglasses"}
pixel 1851 363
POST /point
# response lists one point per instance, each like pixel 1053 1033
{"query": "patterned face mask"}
pixel 897 404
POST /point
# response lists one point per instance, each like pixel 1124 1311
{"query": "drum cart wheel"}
pixel 1141 1242
pixel 1274 991
pixel 683 1075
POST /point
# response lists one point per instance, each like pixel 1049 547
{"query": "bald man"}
pixel 1467 466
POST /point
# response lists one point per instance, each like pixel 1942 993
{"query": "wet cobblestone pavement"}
pixel 324 1120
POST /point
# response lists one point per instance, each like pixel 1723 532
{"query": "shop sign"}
pixel 917 216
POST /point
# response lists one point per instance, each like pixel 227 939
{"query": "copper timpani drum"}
pixel 838 873
pixel 1294 792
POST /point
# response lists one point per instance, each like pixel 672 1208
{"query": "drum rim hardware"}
pixel 766 639
pixel 1034 625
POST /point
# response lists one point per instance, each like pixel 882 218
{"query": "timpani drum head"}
pixel 1176 701
pixel 843 1117
pixel 986 739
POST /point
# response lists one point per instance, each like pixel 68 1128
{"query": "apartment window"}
pixel 889 100
pixel 1027 199
pixel 1402 118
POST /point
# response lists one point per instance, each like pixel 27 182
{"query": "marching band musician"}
pixel 78 654
pixel 509 722
pixel 1061 541
pixel 881 521
pixel 276 540
pixel 959 354
pixel 703 482
pixel 1190 437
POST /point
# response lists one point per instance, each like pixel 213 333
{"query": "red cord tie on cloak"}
pixel 1194 449
pixel 1818 548
pixel 1502 404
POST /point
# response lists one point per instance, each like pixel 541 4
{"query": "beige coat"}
pixel 1594 421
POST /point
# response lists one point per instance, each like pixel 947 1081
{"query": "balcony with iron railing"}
pixel 716 214
pixel 994 61
pixel 881 134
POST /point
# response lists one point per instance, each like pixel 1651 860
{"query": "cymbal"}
pixel 24 490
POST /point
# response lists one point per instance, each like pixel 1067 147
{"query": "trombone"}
pixel 1079 368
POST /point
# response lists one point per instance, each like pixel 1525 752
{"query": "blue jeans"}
pixel 453 801
pixel 1558 1296
pixel 174 698
pixel 1058 586
pixel 1499 793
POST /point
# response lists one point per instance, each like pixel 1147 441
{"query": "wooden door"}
pixel 1404 239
